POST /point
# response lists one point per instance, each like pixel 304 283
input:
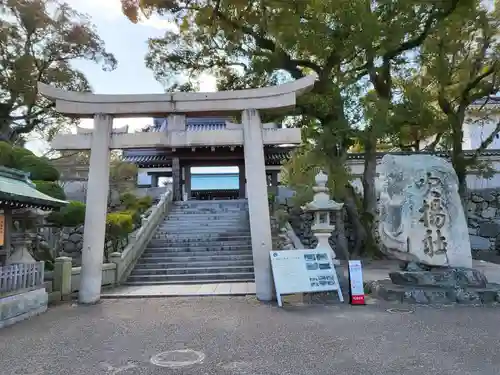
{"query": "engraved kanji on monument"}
pixel 421 218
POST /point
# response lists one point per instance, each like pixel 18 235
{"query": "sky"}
pixel 128 42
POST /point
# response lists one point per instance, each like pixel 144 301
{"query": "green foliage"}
pixel 119 225
pixel 20 158
pixel 135 214
pixel 39 40
pixel 52 189
pixel 38 168
pixel 281 216
pixel 71 215
pixel 131 201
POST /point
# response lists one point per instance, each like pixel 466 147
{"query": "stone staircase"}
pixel 199 242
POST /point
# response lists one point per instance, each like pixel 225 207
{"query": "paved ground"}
pixel 240 336
pixel 221 289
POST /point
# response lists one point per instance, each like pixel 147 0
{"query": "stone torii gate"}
pixel 102 138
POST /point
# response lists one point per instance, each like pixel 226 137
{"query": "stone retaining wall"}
pixel 483 210
pixel 22 305
pixel 483 221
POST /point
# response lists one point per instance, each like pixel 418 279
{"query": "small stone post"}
pixel 116 258
pixel 321 206
pixel 62 277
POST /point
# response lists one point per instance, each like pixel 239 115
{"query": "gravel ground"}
pixel 241 336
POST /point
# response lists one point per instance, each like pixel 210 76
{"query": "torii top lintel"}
pixel 84 104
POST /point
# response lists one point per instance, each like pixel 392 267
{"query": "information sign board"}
pixel 356 287
pixel 300 271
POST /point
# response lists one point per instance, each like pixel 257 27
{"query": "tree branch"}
pixel 289 64
pixel 426 30
pixel 484 144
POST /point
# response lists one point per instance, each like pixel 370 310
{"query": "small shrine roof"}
pixel 17 191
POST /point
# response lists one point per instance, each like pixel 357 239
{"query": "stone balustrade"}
pixel 66 279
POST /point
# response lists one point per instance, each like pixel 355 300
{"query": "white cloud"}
pixel 158 23
pixel 208 83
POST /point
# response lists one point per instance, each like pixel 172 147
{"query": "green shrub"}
pixel 6 159
pixel 71 215
pixel 38 168
pixel 144 203
pixel 18 153
pixel 130 201
pixel 52 189
pixel 136 216
pixel 119 224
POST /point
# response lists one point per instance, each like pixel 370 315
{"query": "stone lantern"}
pixel 322 207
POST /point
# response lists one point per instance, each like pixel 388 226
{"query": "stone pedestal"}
pixel 437 285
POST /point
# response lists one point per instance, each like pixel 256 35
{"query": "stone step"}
pixel 190 257
pixel 153 254
pixel 189 271
pixel 193 238
pixel 188 282
pixel 207 215
pixel 194 264
pixel 203 230
pixel 206 207
pixel 215 243
pixel 205 223
pixel 201 234
pixel 214 219
pixel 199 248
pixel 198 278
pixel 217 201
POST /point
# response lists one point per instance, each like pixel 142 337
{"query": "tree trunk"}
pixel 369 194
pixel 458 159
pixel 355 219
pixel 342 244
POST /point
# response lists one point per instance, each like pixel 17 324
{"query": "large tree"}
pixel 356 48
pixel 38 41
pixel 461 62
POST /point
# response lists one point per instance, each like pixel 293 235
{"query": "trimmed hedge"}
pixel 71 215
pixel 52 189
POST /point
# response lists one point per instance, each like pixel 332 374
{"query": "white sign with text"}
pixel 301 271
pixel 357 290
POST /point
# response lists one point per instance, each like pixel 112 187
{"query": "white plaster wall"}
pixel 477 129
pixel 474 181
pixel 143 178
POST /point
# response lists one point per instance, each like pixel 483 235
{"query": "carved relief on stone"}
pixel 421 218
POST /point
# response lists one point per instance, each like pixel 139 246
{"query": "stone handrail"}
pixel 126 260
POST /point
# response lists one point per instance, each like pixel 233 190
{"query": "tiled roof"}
pixel 273 157
pixel 443 154
pixel 193 124
pixel 491 100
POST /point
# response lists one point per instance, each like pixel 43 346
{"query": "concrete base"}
pixel 18 307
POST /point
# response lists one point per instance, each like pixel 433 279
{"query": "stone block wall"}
pixel 483 211
pixel 21 306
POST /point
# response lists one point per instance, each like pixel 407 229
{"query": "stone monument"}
pixel 422 223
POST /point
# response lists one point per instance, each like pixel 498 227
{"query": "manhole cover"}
pixel 399 311
pixel 178 358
